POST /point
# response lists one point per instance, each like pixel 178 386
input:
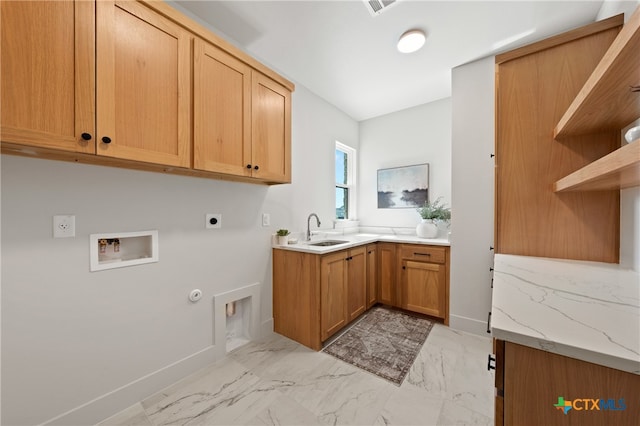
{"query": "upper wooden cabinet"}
pixel 221 111
pixel 242 119
pixel 271 129
pixel 143 85
pixel 48 74
pixel 116 83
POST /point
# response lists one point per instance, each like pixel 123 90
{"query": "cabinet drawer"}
pixel 423 253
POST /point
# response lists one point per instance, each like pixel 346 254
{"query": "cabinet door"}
pixel 535 379
pixel 47 73
pixel 333 292
pixel 221 111
pixel 271 130
pixel 356 282
pixel 387 274
pixel 372 275
pixel 143 82
pixel 423 288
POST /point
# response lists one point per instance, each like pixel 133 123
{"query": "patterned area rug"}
pixel 384 342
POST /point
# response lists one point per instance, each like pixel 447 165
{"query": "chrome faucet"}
pixel 309 220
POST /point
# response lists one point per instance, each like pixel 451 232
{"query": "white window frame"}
pixel 351 179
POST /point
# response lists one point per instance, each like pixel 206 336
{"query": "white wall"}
pixel 472 194
pixel 316 127
pixel 107 339
pixel 416 135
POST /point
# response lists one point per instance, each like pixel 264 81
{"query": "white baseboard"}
pixel 470 325
pixel 266 328
pixel 107 405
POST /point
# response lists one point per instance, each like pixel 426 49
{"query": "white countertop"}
pixel 584 310
pixel 354 240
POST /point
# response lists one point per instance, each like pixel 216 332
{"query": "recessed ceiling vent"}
pixel 376 7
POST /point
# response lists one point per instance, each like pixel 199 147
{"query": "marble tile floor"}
pixel 279 382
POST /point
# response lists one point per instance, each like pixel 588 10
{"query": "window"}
pixel 345 181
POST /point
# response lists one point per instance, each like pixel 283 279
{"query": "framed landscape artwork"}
pixel 403 187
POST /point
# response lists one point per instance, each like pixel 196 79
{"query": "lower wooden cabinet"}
pixel 424 284
pixel 343 291
pixel 372 275
pixel 414 277
pixel 387 277
pixel 533 386
pixel 315 296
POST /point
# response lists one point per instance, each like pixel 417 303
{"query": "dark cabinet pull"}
pixel 491 359
pixel 489 322
pixel 404 267
pixel 86 136
pixel 422 254
pixel 248 166
pixel 255 167
pixel 106 139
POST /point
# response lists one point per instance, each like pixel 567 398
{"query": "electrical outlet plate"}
pixel 266 219
pixel 64 226
pixel 213 220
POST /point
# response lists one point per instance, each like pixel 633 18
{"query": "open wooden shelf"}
pixel 606 101
pixel 617 170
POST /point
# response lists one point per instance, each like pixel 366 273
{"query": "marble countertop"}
pixel 584 310
pixel 358 239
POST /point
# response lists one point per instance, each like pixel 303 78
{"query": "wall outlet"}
pixel 64 226
pixel 213 220
pixel 266 219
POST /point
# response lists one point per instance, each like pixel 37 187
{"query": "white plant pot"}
pixel 427 229
pixel 283 240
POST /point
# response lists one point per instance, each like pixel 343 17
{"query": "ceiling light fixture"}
pixel 411 41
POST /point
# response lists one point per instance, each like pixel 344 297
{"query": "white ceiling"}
pixel 339 51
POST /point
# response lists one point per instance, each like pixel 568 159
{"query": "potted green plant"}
pixel 283 236
pixel 432 214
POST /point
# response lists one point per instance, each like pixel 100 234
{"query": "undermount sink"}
pixel 327 243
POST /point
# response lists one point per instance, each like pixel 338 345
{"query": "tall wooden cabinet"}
pixel 48 74
pixel 535 85
pixel 143 85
